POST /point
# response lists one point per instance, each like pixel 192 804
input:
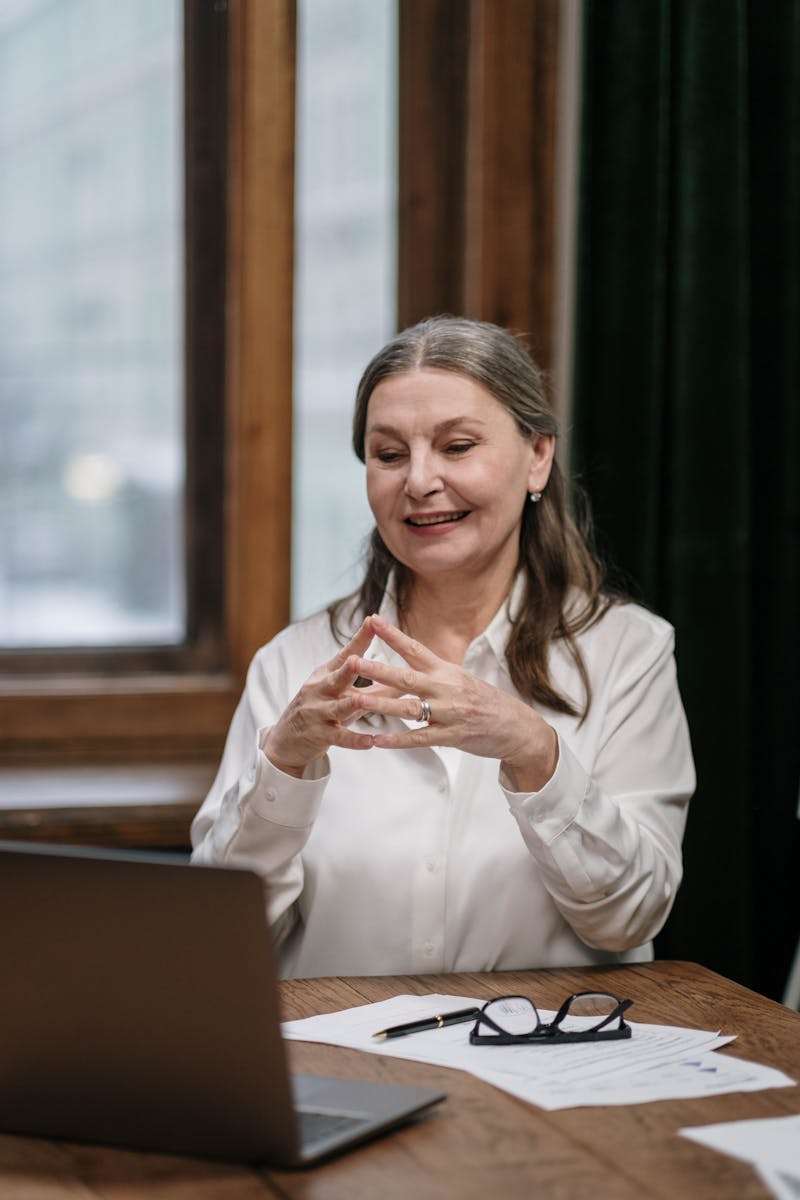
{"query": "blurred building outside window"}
pixel 92 453
pixel 345 274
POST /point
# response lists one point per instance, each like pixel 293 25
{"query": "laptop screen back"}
pixel 94 1046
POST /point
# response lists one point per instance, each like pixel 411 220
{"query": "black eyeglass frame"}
pixel 548 1032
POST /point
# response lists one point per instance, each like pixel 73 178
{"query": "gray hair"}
pixel 493 357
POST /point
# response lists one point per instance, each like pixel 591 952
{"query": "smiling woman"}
pixel 437 444
pixel 482 670
pixel 474 358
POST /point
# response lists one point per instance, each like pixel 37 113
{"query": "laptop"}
pixel 139 1007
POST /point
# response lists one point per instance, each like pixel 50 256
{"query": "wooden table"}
pixel 480 1143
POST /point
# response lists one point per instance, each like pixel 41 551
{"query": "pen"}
pixel 435 1022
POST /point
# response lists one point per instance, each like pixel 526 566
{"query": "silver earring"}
pixel 535 497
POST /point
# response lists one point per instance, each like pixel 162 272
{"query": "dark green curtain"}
pixel 685 420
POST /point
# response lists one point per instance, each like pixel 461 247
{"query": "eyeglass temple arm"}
pixel 612 1016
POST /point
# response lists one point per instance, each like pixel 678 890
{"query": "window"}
pixel 113 177
pixel 115 640
pixel 474 234
pixel 345 274
pixel 97 216
pixel 91 324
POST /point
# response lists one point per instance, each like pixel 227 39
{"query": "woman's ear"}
pixel 543 446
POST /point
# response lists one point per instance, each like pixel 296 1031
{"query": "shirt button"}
pixel 430 863
pixel 429 949
pixel 441 787
pixel 270 794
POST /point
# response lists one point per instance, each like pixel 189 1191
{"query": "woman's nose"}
pixel 423 475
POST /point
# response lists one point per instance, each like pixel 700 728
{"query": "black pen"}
pixel 435 1022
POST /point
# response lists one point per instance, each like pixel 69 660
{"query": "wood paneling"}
pixel 511 168
pixel 58 718
pixel 206 87
pixel 432 130
pixel 478 112
pixel 261 256
pixel 142 805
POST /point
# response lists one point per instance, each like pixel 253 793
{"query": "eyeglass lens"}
pixel 587 1011
pixel 513 1014
pixel 518 1016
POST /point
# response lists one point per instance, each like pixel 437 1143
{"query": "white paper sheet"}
pixel 783 1184
pixel 772 1144
pixel 658 1061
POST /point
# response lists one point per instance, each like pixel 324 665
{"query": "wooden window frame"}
pixel 478 163
pixel 120 724
pixel 477 166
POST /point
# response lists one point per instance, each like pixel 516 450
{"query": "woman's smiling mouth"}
pixel 424 520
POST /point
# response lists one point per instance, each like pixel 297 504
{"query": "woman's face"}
pixel 448 472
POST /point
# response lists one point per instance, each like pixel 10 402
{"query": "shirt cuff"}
pixel 283 799
pixel 552 809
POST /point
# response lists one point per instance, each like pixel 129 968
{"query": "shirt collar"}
pixel 492 641
pixel 494 638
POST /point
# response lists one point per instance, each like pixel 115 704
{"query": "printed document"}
pixel 658 1062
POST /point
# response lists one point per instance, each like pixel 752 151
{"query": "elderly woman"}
pixel 479 761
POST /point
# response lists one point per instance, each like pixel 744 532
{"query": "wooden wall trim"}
pixel 432 117
pixel 131 718
pixel 566 213
pixel 510 206
pixel 141 805
pixel 478 115
pixel 261 245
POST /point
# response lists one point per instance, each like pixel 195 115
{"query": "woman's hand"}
pixel 464 711
pixel 318 716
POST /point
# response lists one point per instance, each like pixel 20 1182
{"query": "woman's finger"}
pixel 339 680
pixel 349 740
pixel 348 675
pixel 401 679
pixel 410 650
pixel 406 707
pixel 410 739
pixel 371 688
pixel 357 645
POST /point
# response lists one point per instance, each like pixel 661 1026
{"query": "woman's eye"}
pixel 459 447
pixel 388 456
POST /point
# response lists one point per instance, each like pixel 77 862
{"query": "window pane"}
pixel 345 273
pixel 91 322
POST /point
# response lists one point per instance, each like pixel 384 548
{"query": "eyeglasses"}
pixel 584 1017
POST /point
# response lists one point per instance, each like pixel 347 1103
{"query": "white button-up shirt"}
pixel 413 861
